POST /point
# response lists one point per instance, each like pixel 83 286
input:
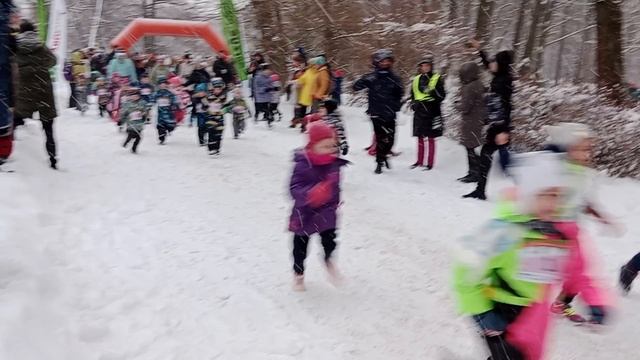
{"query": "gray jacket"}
pixel 263 88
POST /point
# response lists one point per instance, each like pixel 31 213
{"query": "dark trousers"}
pixel 202 131
pixel 73 102
pixel 634 263
pixel 163 131
pixel 214 134
pixel 134 135
pixel 50 142
pixel 385 131
pixel 474 163
pixel 485 161
pixel 264 108
pixel 498 320
pixel 103 109
pixel 238 124
pixel 300 243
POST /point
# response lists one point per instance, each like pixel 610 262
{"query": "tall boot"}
pixel 474 167
pixel 420 161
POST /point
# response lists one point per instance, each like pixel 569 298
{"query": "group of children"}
pixel 130 105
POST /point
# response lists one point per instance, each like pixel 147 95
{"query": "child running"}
pixel 315 189
pixel 238 107
pixel 133 117
pixel 504 275
pixel 214 124
pixel 102 91
pixel 275 97
pixel 147 92
pixel 200 111
pixel 167 103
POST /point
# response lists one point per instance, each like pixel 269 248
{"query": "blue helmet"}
pixel 217 83
pixel 200 88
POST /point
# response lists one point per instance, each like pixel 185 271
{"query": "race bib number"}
pixel 163 102
pixel 145 91
pixel 102 92
pixel 541 264
pixel 136 115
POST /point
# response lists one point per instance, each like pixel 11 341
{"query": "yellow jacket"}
pixel 307 86
pixel 323 84
pixel 79 64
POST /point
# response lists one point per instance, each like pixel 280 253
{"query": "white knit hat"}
pixel 536 172
pixel 567 134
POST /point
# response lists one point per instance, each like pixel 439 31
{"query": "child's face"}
pixel 325 147
pixel 322 111
pixel 145 80
pixel 547 204
pixel 134 97
pixel 217 91
pixel 580 153
pixel 201 94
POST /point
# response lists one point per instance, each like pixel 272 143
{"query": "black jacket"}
pixel 198 76
pixel 223 70
pixel 502 82
pixel 385 93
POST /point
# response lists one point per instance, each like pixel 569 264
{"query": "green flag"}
pixel 233 36
pixel 43 24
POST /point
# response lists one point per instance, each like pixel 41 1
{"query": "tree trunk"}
pixel 533 30
pixel 582 54
pixel 466 12
pixel 453 10
pixel 517 39
pixel 563 32
pixel 483 24
pixel 149 12
pixel 542 39
pixel 609 48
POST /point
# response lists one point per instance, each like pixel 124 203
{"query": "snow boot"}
pixel 560 307
pixel 626 278
pixel 475 195
pixel 298 283
pixel 378 169
pixel 387 165
pixel 53 163
pixel 468 179
pixel 416 165
pixel 428 167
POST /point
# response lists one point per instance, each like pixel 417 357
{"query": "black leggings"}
pixel 385 131
pixel 300 243
pixel 47 126
pixel 135 136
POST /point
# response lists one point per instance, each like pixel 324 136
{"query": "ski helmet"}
pixel 380 55
pixel 217 83
pixel 427 60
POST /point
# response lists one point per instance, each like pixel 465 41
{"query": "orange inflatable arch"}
pixel 140 28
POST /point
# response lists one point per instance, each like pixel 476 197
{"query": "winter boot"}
pixel 476 194
pixel 562 308
pixel 387 165
pixel 468 179
pixel 379 168
pixel 626 278
pixel 53 163
pixel 428 167
pixel 416 165
pixel 298 282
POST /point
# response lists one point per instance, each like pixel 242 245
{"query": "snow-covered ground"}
pixel 172 255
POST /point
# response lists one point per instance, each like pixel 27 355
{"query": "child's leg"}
pixel 328 243
pixel 300 243
pixel 218 138
pixel 129 138
pixel 137 138
pixel 202 131
pixel 211 135
pixel 162 133
pixel 236 125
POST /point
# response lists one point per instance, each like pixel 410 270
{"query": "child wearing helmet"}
pixel 133 117
pixel 238 107
pixel 214 124
pixel 200 92
pixel 167 103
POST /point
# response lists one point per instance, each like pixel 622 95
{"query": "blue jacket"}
pixel 124 67
pixel 167 103
pixel 385 93
pixel 144 88
pixel 263 88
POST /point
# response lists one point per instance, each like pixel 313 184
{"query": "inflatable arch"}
pixel 140 28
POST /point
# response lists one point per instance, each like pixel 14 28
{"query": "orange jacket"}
pixel 323 84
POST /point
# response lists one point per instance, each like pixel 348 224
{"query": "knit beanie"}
pixel 534 173
pixel 319 131
pixel 565 135
pixel 318 60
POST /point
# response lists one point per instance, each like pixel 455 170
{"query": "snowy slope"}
pixel 172 255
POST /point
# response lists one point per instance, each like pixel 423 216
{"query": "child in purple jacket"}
pixel 315 189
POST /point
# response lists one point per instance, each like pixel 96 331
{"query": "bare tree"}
pixel 609 49
pixel 485 13
pixel 519 26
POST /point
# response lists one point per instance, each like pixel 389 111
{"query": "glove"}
pixel 597 315
pixel 319 194
pixel 345 151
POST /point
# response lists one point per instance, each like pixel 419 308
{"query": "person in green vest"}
pixel 427 94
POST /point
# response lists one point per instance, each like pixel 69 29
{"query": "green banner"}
pixel 233 36
pixel 43 23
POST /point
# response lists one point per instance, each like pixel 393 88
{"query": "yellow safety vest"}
pixel 419 95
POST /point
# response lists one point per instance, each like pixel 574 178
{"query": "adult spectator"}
pixel 338 78
pixel 199 75
pixel 122 65
pixel 254 66
pixel 79 68
pixel 6 81
pixel 223 67
pixel 162 69
pixel 35 90
pixel 499 116
pixel 306 89
pixel 385 99
pixel 473 111
pixel 322 86
pixel 427 95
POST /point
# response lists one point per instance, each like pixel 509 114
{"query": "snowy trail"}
pixel 173 255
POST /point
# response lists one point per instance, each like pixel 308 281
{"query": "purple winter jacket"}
pixel 304 219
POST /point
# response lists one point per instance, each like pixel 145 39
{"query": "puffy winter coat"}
pixel 304 219
pixel 198 76
pixel 80 64
pixel 508 262
pixel 224 70
pixel 385 93
pixel 263 87
pixel 133 115
pixel 472 106
pixel 323 84
pixel 502 81
pixel 124 67
pixel 34 90
pixel 335 121
pixel 306 85
pixel 167 104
